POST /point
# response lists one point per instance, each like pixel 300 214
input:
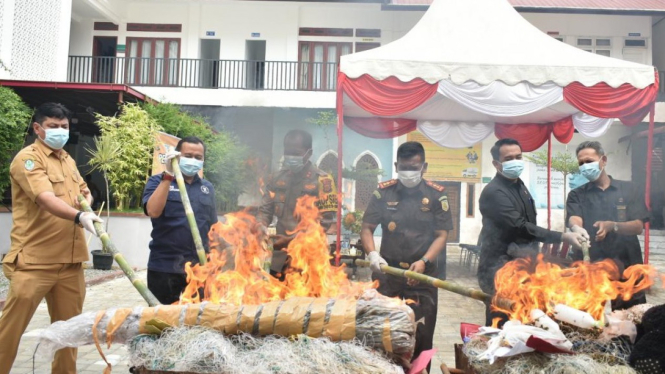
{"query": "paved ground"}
pixel 453 309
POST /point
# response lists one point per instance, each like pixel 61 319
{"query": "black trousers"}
pixel 425 304
pixel 166 287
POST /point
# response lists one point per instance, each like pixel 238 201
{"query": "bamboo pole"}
pixel 445 285
pixel 120 259
pixel 200 251
pixel 585 251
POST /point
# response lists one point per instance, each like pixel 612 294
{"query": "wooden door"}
pixel 453 192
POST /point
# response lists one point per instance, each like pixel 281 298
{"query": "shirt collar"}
pixel 48 151
pixel 508 182
pixel 420 187
pixel 592 186
pixel 196 179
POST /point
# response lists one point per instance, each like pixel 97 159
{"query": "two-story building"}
pixel 260 68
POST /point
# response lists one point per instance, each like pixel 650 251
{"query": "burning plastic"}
pixel 575 317
pixel 584 287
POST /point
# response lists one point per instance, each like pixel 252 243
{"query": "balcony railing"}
pixel 182 72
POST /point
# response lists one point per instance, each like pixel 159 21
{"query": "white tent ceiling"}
pixel 486 41
pixel 490 66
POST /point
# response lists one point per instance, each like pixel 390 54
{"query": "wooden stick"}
pixel 445 285
pixel 120 259
pixel 200 251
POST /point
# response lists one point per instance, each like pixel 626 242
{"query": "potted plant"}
pixel 352 222
pixel 106 152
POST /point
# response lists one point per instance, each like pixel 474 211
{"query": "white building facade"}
pixel 262 67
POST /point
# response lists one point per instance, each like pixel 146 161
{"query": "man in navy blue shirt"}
pixel 172 245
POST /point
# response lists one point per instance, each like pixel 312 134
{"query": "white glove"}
pixel 575 239
pixel 580 230
pixel 88 219
pixel 168 165
pixel 375 261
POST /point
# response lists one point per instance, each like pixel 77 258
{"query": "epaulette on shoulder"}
pixel 435 186
pixel 387 184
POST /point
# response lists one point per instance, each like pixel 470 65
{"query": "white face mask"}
pixel 410 178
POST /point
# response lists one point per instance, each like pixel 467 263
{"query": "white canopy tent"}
pixel 471 68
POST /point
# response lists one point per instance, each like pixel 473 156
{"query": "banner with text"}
pixel 448 164
pixel 538 187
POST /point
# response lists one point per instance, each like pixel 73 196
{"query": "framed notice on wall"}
pixel 449 164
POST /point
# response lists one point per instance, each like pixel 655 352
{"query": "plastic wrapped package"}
pixel 378 322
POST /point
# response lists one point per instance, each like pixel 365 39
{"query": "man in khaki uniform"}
pixel 47 240
pixel 297 177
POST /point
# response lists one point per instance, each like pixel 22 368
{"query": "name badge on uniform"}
pixel 392 205
pixel 173 188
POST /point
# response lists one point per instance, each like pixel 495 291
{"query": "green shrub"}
pixel 14 121
pixel 225 155
pixel 135 131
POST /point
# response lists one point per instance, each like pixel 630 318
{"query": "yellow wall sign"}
pixel 448 164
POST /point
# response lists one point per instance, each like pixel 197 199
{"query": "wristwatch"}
pixel 77 219
pixel 167 177
pixel 616 227
pixel 425 260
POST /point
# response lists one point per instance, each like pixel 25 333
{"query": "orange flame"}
pixel 584 286
pixel 310 273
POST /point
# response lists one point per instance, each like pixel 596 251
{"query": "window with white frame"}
pixel 635 50
pixel 601 46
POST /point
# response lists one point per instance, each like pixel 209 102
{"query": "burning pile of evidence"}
pixel 561 320
pixel 316 300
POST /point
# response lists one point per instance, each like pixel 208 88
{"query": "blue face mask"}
pixel 576 180
pixel 56 138
pixel 512 169
pixel 591 171
pixel 190 166
pixel 293 163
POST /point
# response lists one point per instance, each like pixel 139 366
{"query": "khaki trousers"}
pixel 63 286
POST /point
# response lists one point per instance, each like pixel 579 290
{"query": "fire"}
pixel 235 271
pixel 584 286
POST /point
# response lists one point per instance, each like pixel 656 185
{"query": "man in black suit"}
pixel 510 228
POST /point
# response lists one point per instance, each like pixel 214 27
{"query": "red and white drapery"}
pixel 528 113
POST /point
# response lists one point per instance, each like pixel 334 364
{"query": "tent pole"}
pixel 340 130
pixel 549 182
pixel 647 192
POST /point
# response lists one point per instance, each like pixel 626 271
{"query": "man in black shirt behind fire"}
pixel 510 228
pixel 415 218
pixel 610 212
